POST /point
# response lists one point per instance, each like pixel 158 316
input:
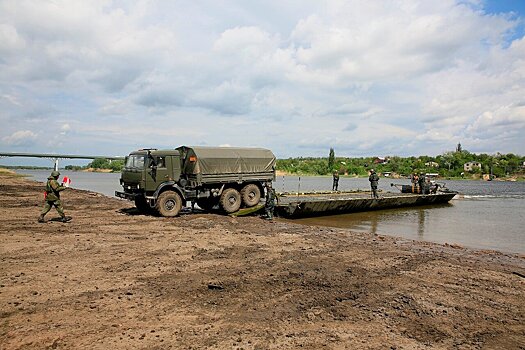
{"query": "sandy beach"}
pixel 113 278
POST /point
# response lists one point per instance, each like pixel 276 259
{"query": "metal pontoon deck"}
pixel 328 203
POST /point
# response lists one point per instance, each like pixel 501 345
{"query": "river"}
pixel 487 215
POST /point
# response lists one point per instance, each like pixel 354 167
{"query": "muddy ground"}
pixel 115 279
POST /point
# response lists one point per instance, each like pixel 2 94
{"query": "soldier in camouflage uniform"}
pixel 374 179
pixel 335 184
pixel 269 206
pixel 422 184
pixel 52 197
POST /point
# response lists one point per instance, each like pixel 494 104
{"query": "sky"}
pixel 368 78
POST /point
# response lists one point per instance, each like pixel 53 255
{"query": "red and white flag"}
pixel 66 181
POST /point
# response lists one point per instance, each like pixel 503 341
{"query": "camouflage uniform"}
pixel 335 185
pixel 415 182
pixel 269 206
pixel 374 179
pixel 422 184
pixel 52 197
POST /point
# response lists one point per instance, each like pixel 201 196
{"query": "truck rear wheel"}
pixel 230 200
pixel 251 195
pixel 169 204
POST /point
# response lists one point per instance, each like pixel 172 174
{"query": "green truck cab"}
pixel 225 177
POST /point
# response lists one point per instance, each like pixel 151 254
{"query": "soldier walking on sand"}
pixel 52 197
pixel 269 206
pixel 336 181
pixel 374 180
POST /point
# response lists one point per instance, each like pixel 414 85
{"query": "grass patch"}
pixel 10 173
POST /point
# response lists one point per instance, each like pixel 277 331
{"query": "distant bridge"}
pixel 56 157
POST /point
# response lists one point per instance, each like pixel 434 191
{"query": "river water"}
pixel 487 215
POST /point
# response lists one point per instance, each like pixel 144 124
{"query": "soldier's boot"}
pixel 41 218
pixel 66 218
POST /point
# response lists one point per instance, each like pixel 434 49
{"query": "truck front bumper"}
pixel 125 195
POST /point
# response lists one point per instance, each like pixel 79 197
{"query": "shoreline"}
pixel 510 179
pixel 407 233
pixel 115 278
pixel 280 173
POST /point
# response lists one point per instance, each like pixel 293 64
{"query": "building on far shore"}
pixel 380 160
pixel 432 164
pixel 470 166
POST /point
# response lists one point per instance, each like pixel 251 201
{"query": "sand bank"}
pixel 113 278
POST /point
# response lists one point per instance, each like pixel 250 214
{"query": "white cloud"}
pixel 11 41
pixel 20 138
pixel 246 41
pixel 93 42
pixel 375 41
pixel 406 77
pixel 11 99
pixel 64 129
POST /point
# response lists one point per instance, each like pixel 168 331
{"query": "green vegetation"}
pixel 27 167
pixel 331 159
pixel 100 164
pixel 449 164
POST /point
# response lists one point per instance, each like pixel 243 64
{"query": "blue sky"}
pixel 396 77
pixel 504 6
pixel 514 8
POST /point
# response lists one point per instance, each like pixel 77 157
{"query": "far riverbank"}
pixel 280 173
pixel 395 177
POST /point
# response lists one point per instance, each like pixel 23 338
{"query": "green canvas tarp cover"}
pixel 226 160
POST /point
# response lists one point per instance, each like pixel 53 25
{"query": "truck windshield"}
pixel 135 161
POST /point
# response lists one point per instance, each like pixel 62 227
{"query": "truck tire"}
pixel 230 200
pixel 251 195
pixel 169 204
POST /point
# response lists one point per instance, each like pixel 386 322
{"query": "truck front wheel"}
pixel 251 195
pixel 230 200
pixel 169 204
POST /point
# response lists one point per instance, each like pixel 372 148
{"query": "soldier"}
pixel 336 181
pixel 374 179
pixel 433 187
pixel 270 200
pixel 422 184
pixel 414 181
pixel 52 197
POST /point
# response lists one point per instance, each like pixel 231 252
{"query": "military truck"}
pixel 225 178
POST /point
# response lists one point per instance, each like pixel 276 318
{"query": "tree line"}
pixel 100 164
pixel 448 164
